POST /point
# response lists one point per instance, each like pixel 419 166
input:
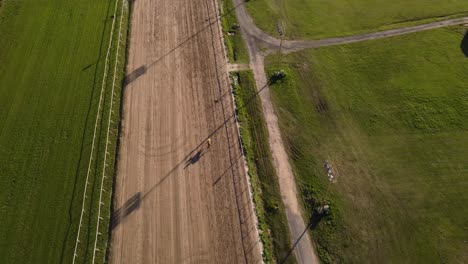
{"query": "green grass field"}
pixel 270 210
pixel 52 56
pixel 314 19
pixel 391 117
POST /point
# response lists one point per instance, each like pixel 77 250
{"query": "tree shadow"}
pixel 315 220
pixel 464 44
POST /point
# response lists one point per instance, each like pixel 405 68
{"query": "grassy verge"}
pixel 235 46
pixel 269 207
pixel 315 19
pixel 53 61
pixel 116 79
pixel 390 116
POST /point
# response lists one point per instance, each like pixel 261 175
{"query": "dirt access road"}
pixel 177 200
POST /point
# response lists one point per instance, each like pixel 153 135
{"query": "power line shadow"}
pixel 226 171
pixel 313 222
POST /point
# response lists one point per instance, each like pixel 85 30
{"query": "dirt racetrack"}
pixel 176 199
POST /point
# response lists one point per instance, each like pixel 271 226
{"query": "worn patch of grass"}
pixel 235 45
pixel 390 116
pixel 269 207
pixel 314 19
pixel 52 56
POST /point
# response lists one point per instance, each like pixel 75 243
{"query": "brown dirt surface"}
pixel 178 200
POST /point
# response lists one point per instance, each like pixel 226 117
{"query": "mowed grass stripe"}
pixel 52 62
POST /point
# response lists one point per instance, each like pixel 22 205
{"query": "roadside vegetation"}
pixel 270 210
pixel 53 60
pixel 315 19
pixel 235 46
pixel 390 117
